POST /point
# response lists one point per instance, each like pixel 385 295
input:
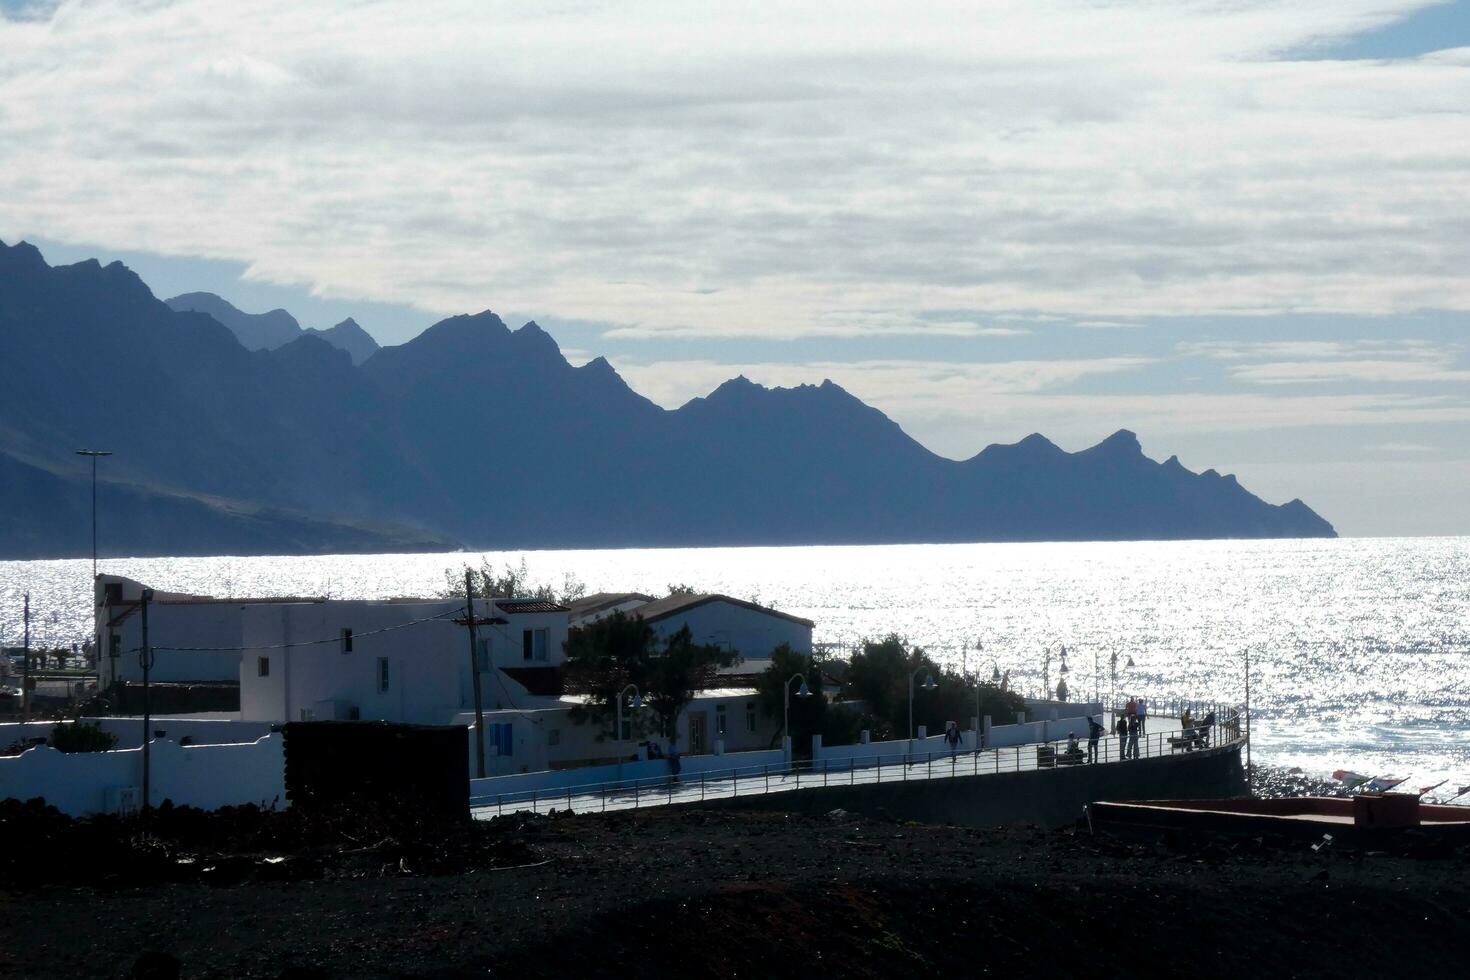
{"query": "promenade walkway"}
pixel 1163 739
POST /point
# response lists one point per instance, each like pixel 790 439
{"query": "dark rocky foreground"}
pixel 665 893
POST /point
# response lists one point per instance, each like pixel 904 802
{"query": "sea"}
pixel 1359 648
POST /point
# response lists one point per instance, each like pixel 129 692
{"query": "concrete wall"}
pixel 1050 797
pixel 652 769
pixel 129 731
pixel 206 776
pixel 843 757
pixel 746 631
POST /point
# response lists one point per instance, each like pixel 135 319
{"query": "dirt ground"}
pixel 689 893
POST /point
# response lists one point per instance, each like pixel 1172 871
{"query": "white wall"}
pixel 748 632
pixel 689 765
pixel 202 625
pixel 204 776
pixel 129 731
pixel 429 678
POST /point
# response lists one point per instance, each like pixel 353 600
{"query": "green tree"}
pixel 808 715
pixel 509 582
pixel 78 737
pixel 879 677
pixel 605 656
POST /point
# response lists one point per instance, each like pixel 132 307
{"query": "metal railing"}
pixel 779 777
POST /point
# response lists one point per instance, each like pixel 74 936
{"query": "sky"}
pixel 1240 228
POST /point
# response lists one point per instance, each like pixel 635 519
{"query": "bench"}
pixel 1190 739
pixel 1049 758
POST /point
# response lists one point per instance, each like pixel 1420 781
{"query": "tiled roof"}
pixel 675 604
pixel 530 605
pixel 598 601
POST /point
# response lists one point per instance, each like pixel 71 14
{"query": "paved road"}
pixel 780 778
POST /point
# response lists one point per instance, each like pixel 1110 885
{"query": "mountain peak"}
pixel 1122 442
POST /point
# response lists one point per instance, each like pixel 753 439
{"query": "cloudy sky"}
pixel 1239 227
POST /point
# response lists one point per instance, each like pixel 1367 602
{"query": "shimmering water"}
pixel 1360 648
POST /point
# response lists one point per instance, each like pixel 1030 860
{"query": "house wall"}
pixel 429 677
pixel 746 631
pixel 202 625
pixel 205 776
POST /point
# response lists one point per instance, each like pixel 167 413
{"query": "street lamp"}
pixel 635 704
pixel 803 692
pixel 928 685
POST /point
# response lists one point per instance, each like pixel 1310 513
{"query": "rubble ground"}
pixel 246 893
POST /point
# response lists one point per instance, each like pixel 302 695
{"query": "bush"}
pixel 78 737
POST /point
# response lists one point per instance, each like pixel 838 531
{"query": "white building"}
pixel 194 637
pixel 403 660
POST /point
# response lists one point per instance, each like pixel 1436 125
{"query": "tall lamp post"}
pixel 97 631
pixel 94 454
pixel 928 685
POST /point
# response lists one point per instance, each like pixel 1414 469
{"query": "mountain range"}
pixel 240 433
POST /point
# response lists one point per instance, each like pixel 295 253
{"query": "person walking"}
pixel 1094 732
pixel 1133 737
pixel 952 739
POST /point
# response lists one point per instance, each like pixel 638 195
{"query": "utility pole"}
pixel 25 664
pixel 470 621
pixel 145 660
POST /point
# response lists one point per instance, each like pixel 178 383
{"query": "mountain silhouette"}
pixel 276 328
pixel 479 434
pixel 350 337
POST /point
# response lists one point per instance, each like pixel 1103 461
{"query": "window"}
pixel 750 716
pixel 482 655
pixel 382 674
pixel 263 666
pixel 114 645
pixel 500 738
pixel 346 640
pixel 553 736
pixel 112 593
pixel 533 644
pixel 720 720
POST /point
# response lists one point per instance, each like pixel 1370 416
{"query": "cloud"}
pixel 1322 362
pixel 764 169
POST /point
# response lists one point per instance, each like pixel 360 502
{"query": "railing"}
pixel 897 767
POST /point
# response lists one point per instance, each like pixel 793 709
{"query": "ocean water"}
pixel 1360 648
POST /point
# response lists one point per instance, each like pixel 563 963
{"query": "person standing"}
pixel 1133 737
pixel 1121 728
pixel 1094 732
pixel 1142 716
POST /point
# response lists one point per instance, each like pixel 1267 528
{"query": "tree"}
pixel 511 582
pixel 879 677
pixel 808 715
pixel 605 656
pixel 78 737
pixel 682 668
